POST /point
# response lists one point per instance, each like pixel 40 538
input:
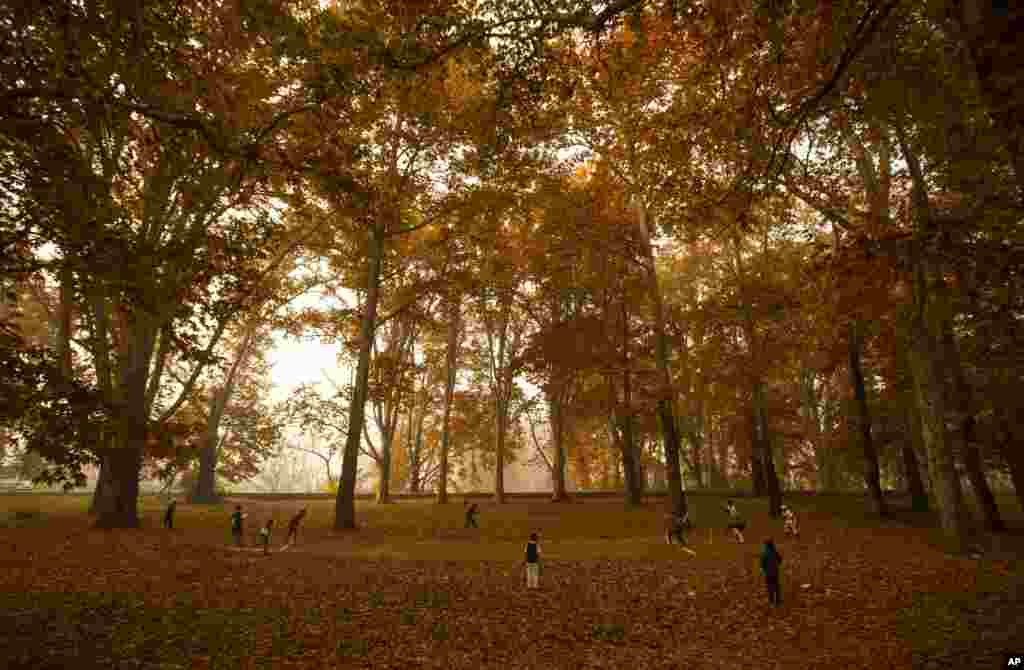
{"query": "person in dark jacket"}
pixel 771 559
pixel 169 515
pixel 532 562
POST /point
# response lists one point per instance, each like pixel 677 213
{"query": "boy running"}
pixel 532 562
pixel 236 524
pixel 736 523
pixel 293 527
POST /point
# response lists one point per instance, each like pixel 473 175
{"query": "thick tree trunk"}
pixel 560 492
pixel 345 503
pixel 384 472
pixel 913 466
pixel 502 386
pixel 384 467
pixel 666 415
pixel 930 397
pixel 915 484
pixel 101 483
pixel 557 423
pixel 963 404
pixel 117 502
pixel 824 458
pixel 913 445
pixel 1014 458
pixel 872 477
pixel 117 506
pixel 205 491
pixel 401 344
pixel 416 460
pixel 630 467
pixel 976 475
pixel 767 460
pixel 627 441
pixel 451 360
pixel 925 358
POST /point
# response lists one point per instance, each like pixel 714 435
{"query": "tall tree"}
pixel 133 173
pixel 925 356
pixel 389 392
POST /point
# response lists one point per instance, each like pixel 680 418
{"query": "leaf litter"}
pixel 151 600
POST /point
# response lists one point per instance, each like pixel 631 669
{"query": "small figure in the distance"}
pixel 265 535
pixel 736 522
pixel 236 524
pixel 293 527
pixel 471 513
pixel 789 525
pixel 771 559
pixel 169 515
pixel 533 562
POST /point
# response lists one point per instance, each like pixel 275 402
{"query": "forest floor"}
pixel 413 589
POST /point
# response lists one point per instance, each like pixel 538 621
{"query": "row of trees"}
pixel 781 237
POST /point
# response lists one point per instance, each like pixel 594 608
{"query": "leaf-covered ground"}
pixel 412 589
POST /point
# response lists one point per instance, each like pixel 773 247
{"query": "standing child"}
pixel 770 561
pixel 789 526
pixel 169 515
pixel 736 522
pixel 532 562
pixel 293 527
pixel 236 525
pixel 471 516
pixel 265 535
